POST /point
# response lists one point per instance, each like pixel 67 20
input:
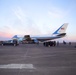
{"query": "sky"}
pixel 37 17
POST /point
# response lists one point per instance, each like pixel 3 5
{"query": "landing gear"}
pixel 50 43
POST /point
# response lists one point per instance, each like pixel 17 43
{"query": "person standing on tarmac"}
pixel 69 43
pixel 54 43
pixel 15 42
pixel 57 43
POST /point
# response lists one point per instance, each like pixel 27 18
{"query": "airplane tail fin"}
pixel 61 29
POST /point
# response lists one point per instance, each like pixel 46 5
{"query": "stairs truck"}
pixel 27 40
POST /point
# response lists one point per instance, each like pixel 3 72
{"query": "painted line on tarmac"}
pixel 17 66
pixel 43 56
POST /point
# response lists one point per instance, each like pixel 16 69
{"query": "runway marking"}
pixel 42 56
pixel 17 66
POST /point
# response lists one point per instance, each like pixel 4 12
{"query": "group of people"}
pixel 50 43
pixel 54 43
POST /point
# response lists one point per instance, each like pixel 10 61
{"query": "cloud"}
pixel 57 13
pixel 30 27
pixel 6 31
pixel 24 24
pixel 19 13
pixel 5 34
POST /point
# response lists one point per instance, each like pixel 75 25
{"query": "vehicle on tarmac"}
pixel 10 42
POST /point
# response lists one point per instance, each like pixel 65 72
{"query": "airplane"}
pixel 59 33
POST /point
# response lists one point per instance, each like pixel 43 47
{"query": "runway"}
pixel 33 59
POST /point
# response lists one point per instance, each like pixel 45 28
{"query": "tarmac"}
pixel 33 59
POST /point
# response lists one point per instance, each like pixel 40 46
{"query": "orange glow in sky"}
pixel 8 35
